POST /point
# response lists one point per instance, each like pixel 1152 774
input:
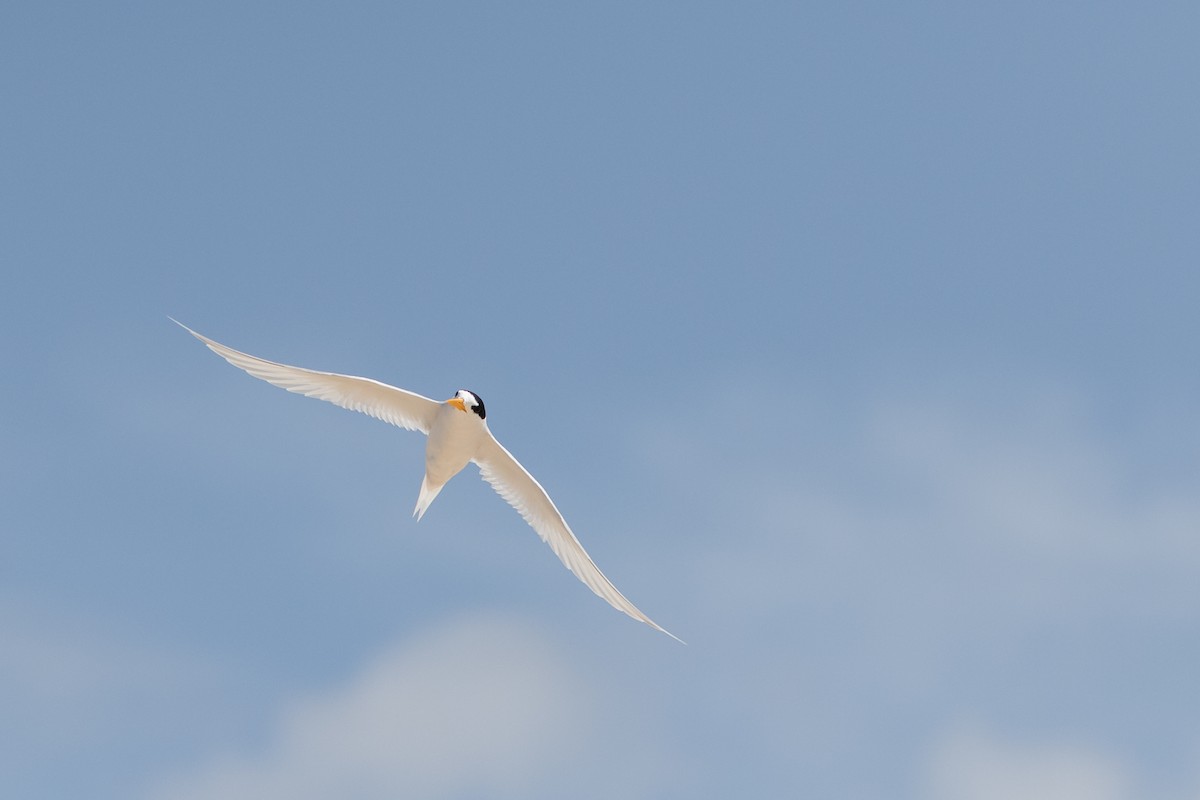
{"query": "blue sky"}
pixel 856 342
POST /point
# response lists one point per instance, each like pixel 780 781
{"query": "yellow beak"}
pixel 457 403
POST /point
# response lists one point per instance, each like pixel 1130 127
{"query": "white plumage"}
pixel 458 434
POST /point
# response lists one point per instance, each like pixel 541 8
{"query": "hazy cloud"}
pixel 483 703
pixel 919 557
pixel 974 765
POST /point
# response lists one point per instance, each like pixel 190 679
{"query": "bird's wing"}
pixel 397 406
pixel 514 483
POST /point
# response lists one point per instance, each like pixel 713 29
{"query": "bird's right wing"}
pixel 396 406
pixel 514 483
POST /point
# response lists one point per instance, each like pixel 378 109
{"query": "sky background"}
pixel 857 342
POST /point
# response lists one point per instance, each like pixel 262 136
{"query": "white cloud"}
pixel 972 765
pixel 930 555
pixel 482 705
pixel 1036 478
pixel 925 496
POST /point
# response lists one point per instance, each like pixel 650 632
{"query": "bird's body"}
pixel 454 439
pixel 458 435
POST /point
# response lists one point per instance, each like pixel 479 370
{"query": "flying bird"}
pixel 458 434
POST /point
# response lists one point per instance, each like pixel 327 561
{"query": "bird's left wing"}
pixel 514 483
pixel 396 406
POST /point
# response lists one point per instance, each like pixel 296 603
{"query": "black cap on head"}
pixel 476 406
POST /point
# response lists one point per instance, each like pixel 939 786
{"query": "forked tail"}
pixel 426 497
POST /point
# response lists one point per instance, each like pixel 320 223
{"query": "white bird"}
pixel 458 434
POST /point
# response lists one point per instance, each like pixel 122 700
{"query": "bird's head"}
pixel 468 401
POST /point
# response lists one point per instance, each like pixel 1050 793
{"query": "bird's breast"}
pixel 454 439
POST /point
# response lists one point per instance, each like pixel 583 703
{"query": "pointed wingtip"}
pixel 640 617
pixel 668 633
pixel 186 328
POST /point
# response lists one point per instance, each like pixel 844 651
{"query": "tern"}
pixel 458 434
